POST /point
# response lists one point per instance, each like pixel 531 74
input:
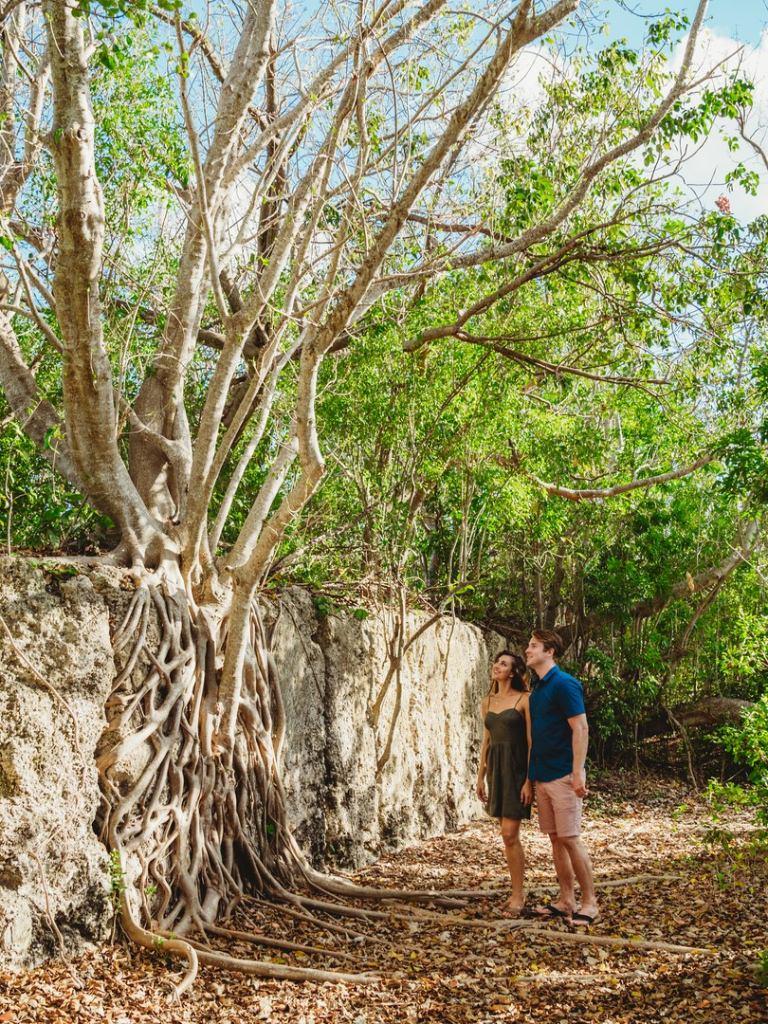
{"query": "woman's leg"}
pixel 513 851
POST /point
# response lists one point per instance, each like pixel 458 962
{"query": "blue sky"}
pixel 740 19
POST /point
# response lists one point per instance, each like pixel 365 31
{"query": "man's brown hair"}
pixel 551 640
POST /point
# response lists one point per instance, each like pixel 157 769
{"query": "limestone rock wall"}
pixel 53 869
pixel 347 801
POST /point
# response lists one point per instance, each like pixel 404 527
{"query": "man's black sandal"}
pixel 549 911
pixel 583 920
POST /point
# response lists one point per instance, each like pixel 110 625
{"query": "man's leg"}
pixel 576 852
pixel 513 851
pixel 564 872
pixel 567 812
pixel 546 813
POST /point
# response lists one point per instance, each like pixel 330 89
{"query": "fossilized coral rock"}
pixel 53 869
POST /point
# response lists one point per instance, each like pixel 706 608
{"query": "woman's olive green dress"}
pixel 507 763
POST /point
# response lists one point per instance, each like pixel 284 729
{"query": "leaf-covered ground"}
pixel 651 835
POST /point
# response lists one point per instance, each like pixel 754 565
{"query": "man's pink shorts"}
pixel 558 807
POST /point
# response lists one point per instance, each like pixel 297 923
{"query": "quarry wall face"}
pixel 358 784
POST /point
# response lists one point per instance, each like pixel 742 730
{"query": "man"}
pixel 559 735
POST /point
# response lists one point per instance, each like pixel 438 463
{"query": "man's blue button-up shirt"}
pixel 556 697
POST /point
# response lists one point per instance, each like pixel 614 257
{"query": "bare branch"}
pixel 87 376
pixel 160 400
pixel 592 494
pixel 741 120
pixel 538 232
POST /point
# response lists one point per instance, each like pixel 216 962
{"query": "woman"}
pixel 504 763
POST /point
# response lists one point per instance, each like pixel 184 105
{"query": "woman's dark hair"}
pixel 519 678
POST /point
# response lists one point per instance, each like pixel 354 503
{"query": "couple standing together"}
pixel 535 742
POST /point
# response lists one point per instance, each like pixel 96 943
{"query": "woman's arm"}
pixel 526 793
pixel 480 787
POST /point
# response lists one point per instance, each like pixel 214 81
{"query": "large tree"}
pixel 325 156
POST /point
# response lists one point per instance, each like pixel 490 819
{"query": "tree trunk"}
pixel 196 825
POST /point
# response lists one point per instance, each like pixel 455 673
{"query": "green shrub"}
pixel 748 743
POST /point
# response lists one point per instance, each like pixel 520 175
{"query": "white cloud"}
pixel 521 91
pixel 705 169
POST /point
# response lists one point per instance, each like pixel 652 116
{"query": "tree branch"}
pixel 34 414
pixel 590 494
pixel 89 401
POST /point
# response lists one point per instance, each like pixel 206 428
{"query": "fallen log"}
pixel 705 714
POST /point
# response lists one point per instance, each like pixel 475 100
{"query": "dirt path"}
pixel 456 972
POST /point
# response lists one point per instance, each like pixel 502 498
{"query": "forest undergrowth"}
pixel 666 876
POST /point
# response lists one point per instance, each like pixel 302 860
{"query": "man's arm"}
pixel 580 739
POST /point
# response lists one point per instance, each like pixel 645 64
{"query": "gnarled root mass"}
pixel 197 827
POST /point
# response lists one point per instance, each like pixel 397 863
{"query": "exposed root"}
pixel 448 921
pixel 174 946
pixel 301 915
pixel 266 940
pixel 551 979
pixel 534 931
pixel 550 934
pixel 503 887
pixel 335 886
pixel 196 954
pixel 265 969
pixel 342 910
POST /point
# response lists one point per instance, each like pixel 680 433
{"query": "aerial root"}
pixel 192 821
